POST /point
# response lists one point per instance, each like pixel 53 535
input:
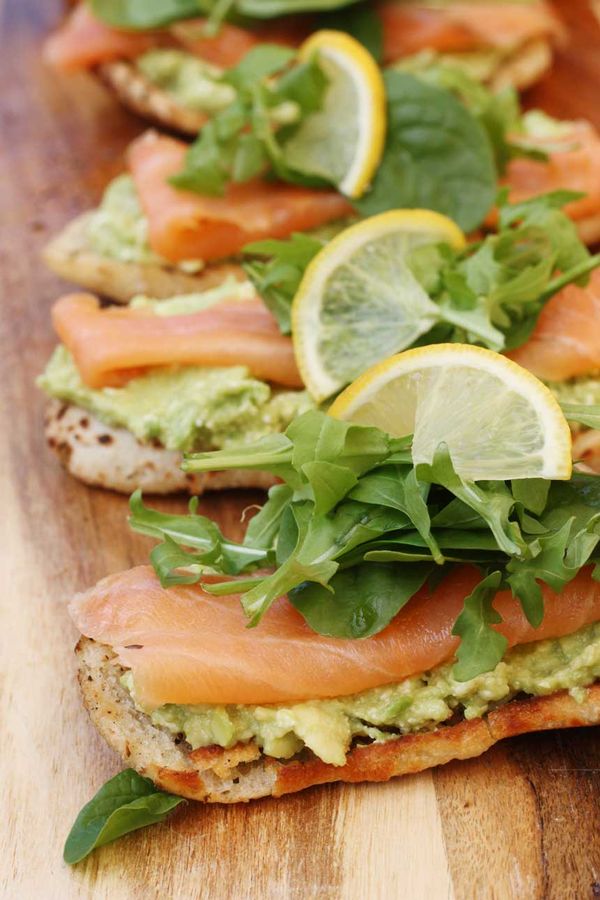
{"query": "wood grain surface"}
pixel 521 822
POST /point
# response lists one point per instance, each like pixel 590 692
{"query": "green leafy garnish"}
pixel 582 414
pixel 355 530
pixel 277 276
pixel 437 155
pixel 245 139
pixel 144 14
pixel 491 294
pixel 125 803
pixel 481 647
pixel 498 112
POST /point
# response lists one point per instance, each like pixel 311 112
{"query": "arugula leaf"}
pixel 241 141
pixel 399 489
pixel 437 155
pixel 355 516
pixel 191 531
pixel 125 803
pixel 272 453
pixel 492 501
pixel 491 293
pixel 481 647
pixel 264 526
pixel 278 276
pixel 582 413
pixel 360 601
pixel 497 111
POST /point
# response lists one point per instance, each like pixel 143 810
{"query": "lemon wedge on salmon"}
pixel 342 142
pixel 497 420
pixel 359 301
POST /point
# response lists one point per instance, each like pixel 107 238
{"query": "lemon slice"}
pixel 343 141
pixel 359 301
pixel 496 418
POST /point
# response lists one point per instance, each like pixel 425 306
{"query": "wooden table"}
pixel 522 821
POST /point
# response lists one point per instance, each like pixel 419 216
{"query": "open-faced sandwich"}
pixel 315 139
pixel 418 593
pixel 135 387
pixel 167 64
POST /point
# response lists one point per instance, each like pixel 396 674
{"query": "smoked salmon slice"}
pixel 574 167
pixel 83 41
pixel 186 646
pixel 461 27
pixel 110 346
pixel 566 339
pixel 185 225
pixel 229 46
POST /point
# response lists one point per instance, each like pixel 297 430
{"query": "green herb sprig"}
pixel 245 139
pixel 354 530
pixel 490 294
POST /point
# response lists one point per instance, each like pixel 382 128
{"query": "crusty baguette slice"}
pixel 69 255
pixel 141 96
pixel 113 458
pixel 243 773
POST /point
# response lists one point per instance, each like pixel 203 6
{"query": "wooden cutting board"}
pixel 520 822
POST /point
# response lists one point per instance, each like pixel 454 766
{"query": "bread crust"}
pixel 242 773
pixel 69 255
pixel 113 458
pixel 136 92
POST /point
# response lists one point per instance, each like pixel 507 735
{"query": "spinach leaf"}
pixel 437 155
pixel 360 601
pixel 145 14
pixel 357 528
pixel 125 803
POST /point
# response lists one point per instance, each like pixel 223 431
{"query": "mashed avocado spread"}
pixel 191 81
pixel 118 229
pixel 327 727
pixel 585 391
pixel 185 408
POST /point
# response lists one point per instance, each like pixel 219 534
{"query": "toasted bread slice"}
pixel 113 458
pixel 69 255
pixel 243 773
pixel 141 96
